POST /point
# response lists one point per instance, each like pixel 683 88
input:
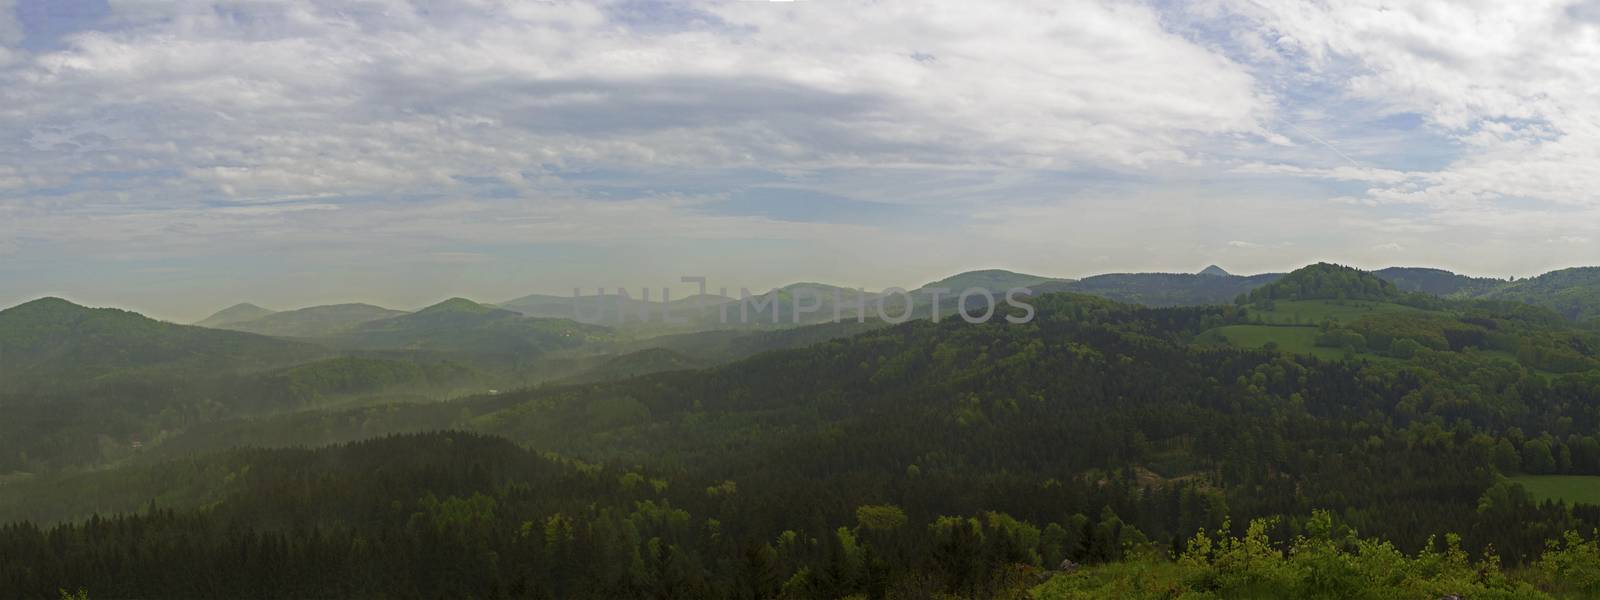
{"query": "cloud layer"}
pixel 1066 137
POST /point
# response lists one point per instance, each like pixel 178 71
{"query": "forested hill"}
pixel 1326 281
pixel 55 343
pixel 910 460
pixel 1439 282
pixel 314 321
pixel 1572 292
pixel 1575 292
pixel 238 313
pixel 463 326
pixel 996 280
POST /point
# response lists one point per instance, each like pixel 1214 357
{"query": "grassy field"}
pixel 1314 312
pixel 1294 340
pixel 1576 489
pixel 1292 325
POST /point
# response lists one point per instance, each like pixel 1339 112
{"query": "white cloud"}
pixel 378 101
pixel 1141 131
pixel 1513 83
pixel 178 115
pixel 1341 173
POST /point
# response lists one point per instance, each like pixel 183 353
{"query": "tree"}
pixel 1536 457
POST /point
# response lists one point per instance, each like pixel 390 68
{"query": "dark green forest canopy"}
pixel 899 461
pixel 1326 281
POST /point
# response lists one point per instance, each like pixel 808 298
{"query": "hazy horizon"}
pixel 411 300
pixel 175 159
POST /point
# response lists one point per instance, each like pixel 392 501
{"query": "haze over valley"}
pixel 820 300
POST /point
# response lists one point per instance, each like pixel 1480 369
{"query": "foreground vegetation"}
pixel 1329 563
pixel 462 515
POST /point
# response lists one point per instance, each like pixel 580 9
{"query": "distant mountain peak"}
pixel 239 313
pixel 1215 271
pixel 810 286
pixel 457 305
pixel 989 272
pixel 49 301
pixel 48 305
pixel 992 279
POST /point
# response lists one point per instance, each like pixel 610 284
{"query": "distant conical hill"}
pixel 238 313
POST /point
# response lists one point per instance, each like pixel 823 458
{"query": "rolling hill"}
pixel 995 280
pixel 604 307
pixel 1337 312
pixel 1164 289
pixel 315 321
pixel 1575 293
pixel 1327 281
pixel 463 326
pixel 54 342
pixel 1438 282
pixel 238 313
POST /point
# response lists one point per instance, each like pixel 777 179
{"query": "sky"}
pixel 178 157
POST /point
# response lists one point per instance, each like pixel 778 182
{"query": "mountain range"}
pixel 1573 292
pixel 459 324
pixel 55 353
pixel 314 321
pixel 1100 431
pixel 51 340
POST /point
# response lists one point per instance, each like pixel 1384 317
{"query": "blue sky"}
pixel 177 157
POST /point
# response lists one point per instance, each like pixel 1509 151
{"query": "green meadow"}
pixel 1294 326
pixel 1574 489
pixel 1294 340
pixel 1314 312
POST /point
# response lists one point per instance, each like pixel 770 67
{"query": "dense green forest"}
pixel 1328 434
